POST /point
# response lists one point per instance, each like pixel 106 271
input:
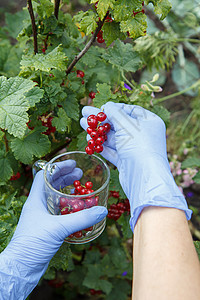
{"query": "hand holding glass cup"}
pixel 60 174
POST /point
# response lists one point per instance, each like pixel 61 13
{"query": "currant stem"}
pixel 34 29
pixel 56 8
pixel 88 45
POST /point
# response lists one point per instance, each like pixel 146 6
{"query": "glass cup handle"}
pixel 37 166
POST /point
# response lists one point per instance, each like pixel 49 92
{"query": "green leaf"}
pixel 82 142
pixel 196 178
pixel 115 184
pixel 125 226
pixel 87 21
pixel 123 9
pixel 56 59
pixel 14 104
pixel 123 57
pixel 162 7
pixel 162 112
pixel 136 26
pixel 191 162
pixel 34 95
pixel 185 75
pixel 5 47
pixel 104 95
pixel 111 32
pixel 14 22
pixel 46 8
pixel 5 167
pixel 71 106
pixel 62 122
pixel 34 144
pixel 103 6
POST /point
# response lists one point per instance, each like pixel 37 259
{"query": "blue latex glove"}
pixel 39 235
pixel 136 145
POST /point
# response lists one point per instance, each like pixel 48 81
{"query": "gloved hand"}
pixel 136 145
pixel 39 235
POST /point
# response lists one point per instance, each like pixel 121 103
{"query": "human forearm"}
pixel 166 265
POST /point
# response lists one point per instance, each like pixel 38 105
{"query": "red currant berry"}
pixel 94 135
pixel 99 141
pixel 105 137
pixel 63 202
pixel 88 150
pixel 78 188
pixel 83 191
pixel 89 185
pixel 89 228
pixel 76 183
pixel 82 82
pixel 101 130
pixel 92 95
pixel 78 205
pixel 89 202
pixel 107 127
pixel 91 143
pixel 101 116
pixel 78 234
pixel 100 40
pixel 98 148
pixel 65 211
pixel 92 121
pixel 89 130
pixel 80 73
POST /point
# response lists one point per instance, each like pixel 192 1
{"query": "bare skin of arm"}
pixel 166 265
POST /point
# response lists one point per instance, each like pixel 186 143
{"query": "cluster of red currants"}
pixel 15 176
pixel 68 206
pixel 116 210
pixel 47 122
pixel 80 74
pixel 100 38
pixel 98 133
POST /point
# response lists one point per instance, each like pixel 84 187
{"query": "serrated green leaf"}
pixel 82 142
pixel 123 9
pixel 34 144
pixel 13 104
pixel 161 7
pixel 190 162
pixel 62 122
pixel 34 95
pixel 123 57
pixel 196 178
pixel 136 26
pixel 56 59
pixel 104 95
pixel 163 113
pixel 5 167
pixel 71 107
pixel 5 47
pixel 87 21
pixel 111 32
pixel 46 7
pixel 103 6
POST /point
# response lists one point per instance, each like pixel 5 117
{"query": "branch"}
pixel 34 29
pixel 56 8
pixel 87 46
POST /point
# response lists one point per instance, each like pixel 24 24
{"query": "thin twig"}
pixel 87 46
pixel 34 29
pixel 56 8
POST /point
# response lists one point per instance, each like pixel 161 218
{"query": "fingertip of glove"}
pixel 99 211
